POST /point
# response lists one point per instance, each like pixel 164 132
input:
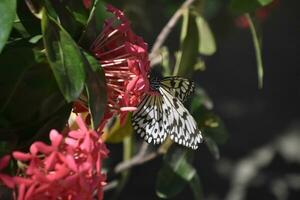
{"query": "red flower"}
pixel 261 14
pixel 87 3
pixel 124 58
pixel 69 168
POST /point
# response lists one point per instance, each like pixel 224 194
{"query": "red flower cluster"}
pixel 69 168
pixel 124 58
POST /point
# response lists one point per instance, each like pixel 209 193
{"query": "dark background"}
pixel 261 159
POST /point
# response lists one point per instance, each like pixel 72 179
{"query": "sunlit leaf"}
pixel 200 65
pixel 64 57
pixel 164 52
pixel 114 132
pixel 8 14
pixel 207 44
pixel 186 58
pixel 96 89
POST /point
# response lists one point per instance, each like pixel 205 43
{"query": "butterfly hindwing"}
pixel 183 129
pixel 179 87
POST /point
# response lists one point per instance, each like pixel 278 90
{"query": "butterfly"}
pixel 161 113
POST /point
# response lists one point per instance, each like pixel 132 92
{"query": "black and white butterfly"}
pixel 161 113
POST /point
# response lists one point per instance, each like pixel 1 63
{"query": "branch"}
pixel 168 27
pixel 138 159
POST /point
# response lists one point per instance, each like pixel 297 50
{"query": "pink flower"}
pixel 124 58
pixel 68 168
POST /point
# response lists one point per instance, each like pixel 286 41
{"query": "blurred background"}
pixel 261 157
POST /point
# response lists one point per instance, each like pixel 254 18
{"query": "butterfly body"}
pixel 161 113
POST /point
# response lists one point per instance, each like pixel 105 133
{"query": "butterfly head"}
pixel 154 84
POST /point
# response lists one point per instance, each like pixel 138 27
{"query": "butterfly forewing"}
pixel 179 87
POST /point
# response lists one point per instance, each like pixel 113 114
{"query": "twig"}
pixel 111 185
pixel 168 27
pixel 139 158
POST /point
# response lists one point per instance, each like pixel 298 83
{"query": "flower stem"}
pixel 258 54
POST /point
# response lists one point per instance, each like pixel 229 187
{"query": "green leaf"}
pixel 65 58
pixel 164 51
pixel 178 159
pixel 30 100
pixel 176 172
pixel 79 12
pixel 168 183
pixel 186 58
pixel 200 65
pixel 243 6
pixel 8 14
pixel 211 125
pixel 257 46
pixel 94 25
pixel 96 89
pixel 207 44
pixel 196 188
pixel 115 132
pixel 213 147
pixel 65 17
pixel 29 21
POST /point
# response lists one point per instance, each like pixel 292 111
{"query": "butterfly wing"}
pixel 182 127
pixel 147 120
pixel 178 87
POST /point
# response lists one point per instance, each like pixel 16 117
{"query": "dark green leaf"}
pixel 94 25
pixel 79 12
pixel 213 147
pixel 243 6
pixel 65 58
pixel 96 89
pixel 8 14
pixel 168 183
pixel 178 159
pixel 176 172
pixel 211 125
pixel 196 188
pixel 65 17
pixel 30 97
pixel 30 22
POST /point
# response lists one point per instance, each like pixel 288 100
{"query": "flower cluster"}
pixel 68 168
pixel 124 58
